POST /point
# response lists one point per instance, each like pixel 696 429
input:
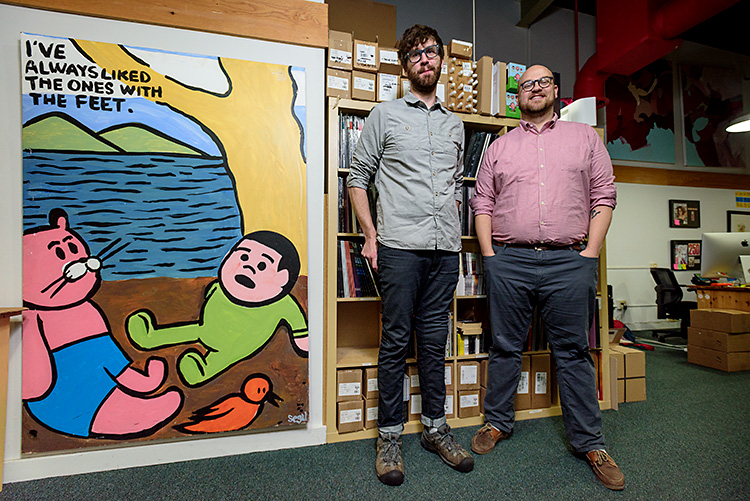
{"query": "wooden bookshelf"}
pixel 352 329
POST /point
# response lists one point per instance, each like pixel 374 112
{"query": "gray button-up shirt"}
pixel 416 155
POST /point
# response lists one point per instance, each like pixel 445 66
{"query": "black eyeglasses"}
pixel 544 82
pixel 431 52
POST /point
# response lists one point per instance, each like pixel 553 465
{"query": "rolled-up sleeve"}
pixel 603 190
pixel 368 151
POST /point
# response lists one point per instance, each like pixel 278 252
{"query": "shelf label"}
pixel 540 386
pixel 338 83
pixel 469 400
pixel 352 416
pixel 448 375
pixel 366 55
pixel 469 374
pixel 414 381
pixel 372 385
pixel 372 413
pixel 448 405
pixel 416 404
pixel 350 389
pixel 365 84
pixel 339 56
pixel 389 57
pixel 523 383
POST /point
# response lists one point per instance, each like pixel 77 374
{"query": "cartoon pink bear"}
pixel 76 379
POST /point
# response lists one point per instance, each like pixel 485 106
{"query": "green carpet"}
pixel 689 440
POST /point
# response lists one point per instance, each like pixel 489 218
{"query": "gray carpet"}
pixel 689 440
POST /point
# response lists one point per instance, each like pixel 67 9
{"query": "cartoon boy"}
pixel 243 309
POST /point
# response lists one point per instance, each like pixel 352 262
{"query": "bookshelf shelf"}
pixel 352 324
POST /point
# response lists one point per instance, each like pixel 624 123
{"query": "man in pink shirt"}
pixel 543 190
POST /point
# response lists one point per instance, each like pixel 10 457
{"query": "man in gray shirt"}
pixel 414 148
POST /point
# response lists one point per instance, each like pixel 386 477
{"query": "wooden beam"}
pixel 671 177
pixel 296 22
pixel 531 10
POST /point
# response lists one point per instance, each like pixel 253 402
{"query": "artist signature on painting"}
pixel 298 419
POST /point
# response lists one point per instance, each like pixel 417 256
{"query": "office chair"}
pixel 669 302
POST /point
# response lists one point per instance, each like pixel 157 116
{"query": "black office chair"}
pixel 669 302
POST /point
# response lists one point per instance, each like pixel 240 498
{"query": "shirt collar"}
pixel 415 101
pixel 530 127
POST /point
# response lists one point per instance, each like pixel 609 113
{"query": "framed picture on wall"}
pixel 685 254
pixel 738 220
pixel 684 214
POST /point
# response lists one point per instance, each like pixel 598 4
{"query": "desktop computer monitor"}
pixel 720 254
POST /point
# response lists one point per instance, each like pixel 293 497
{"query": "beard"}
pixel 537 108
pixel 424 84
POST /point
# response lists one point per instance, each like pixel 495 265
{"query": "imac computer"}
pixel 720 255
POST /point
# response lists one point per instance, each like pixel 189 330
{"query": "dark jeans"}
pixel 563 284
pixel 416 288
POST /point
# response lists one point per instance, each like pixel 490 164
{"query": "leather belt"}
pixel 540 247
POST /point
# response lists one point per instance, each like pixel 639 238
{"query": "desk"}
pixel 723 298
pixel 5 314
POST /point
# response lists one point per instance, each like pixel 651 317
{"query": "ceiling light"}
pixel 740 124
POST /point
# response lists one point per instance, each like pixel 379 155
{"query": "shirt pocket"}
pixel 409 138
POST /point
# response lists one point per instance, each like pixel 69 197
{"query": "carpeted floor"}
pixel 689 440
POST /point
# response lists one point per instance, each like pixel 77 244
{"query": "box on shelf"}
pixel 468 375
pixel 716 340
pixel 448 378
pixel 388 61
pixel 340 50
pixel 619 358
pixel 348 384
pixel 734 321
pixel 370 384
pixel 482 394
pixel 515 70
pixel 483 365
pixel 387 87
pixel 371 413
pixel 721 360
pixel 459 48
pixel 363 85
pixel 468 403
pixel 404 86
pixel 523 393
pixel 500 84
pixel 415 407
pixel 338 83
pixel 540 382
pixel 486 89
pixel 450 408
pixel 413 372
pixel 511 105
pixel 350 416
pixel 365 56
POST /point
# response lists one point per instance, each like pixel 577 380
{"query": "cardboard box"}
pixel 483 365
pixel 450 407
pixel 370 383
pixel 388 61
pixel 448 378
pixel 459 48
pixel 349 385
pixel 541 381
pixel 482 395
pixel 340 50
pixel 515 70
pixel 371 413
pixel 635 389
pixel 468 375
pixel 618 357
pixel 719 341
pixel 363 85
pixel 485 87
pixel 734 321
pixel 365 56
pixel 415 407
pixel 338 83
pixel 615 335
pixel 499 71
pixel 468 403
pixel 387 87
pixel 523 393
pixel 620 391
pixel 413 373
pixel 404 86
pixel 511 105
pixel 728 362
pixel 368 20
pixel 635 361
pixel 350 416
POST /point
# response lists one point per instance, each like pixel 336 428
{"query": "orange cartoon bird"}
pixel 233 412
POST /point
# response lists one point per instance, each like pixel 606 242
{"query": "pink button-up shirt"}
pixel 540 186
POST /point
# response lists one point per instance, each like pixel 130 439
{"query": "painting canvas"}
pixel 711 99
pixel 640 115
pixel 738 221
pixel 165 245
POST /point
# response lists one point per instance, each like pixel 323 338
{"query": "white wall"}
pixel 640 235
pixel 13 21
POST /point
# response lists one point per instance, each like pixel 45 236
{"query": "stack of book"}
pixel 355 276
pixel 476 145
pixel 470 338
pixel 466 215
pixel 470 275
pixel 351 128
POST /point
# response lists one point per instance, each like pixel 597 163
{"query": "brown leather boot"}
pixel 606 470
pixel 486 438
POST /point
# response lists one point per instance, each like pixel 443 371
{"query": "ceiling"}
pixel 726 30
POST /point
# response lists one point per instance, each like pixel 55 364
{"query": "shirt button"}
pixel 432 153
pixel 542 203
pixel 434 173
pixel 541 166
pixel 542 184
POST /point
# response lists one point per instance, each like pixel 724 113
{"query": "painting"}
pixel 711 100
pixel 165 245
pixel 684 214
pixel 640 115
pixel 738 220
pixel 685 254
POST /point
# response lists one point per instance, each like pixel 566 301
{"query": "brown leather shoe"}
pixel 606 470
pixel 486 438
